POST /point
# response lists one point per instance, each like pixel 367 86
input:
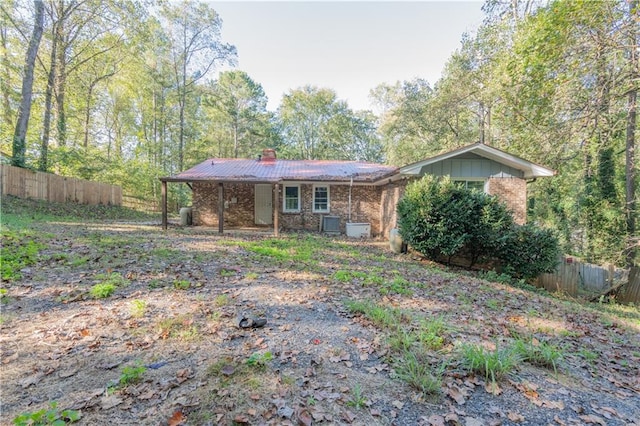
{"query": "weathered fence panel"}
pixel 26 183
pixel 573 276
pixel 631 293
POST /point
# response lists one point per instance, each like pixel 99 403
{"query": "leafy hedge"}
pixel 440 219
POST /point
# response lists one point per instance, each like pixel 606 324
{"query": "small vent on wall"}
pixel 331 224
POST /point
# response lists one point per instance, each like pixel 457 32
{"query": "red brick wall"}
pixel 390 195
pixel 238 214
pixel 513 192
pixel 365 206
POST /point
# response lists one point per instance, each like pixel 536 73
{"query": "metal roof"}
pixel 251 170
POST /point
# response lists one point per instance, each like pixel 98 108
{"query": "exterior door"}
pixel 264 204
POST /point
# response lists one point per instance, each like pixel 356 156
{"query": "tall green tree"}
pixel 237 107
pixel 196 48
pixel 316 125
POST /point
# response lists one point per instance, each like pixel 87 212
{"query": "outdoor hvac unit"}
pixel 331 224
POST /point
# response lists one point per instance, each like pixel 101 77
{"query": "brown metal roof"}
pixel 244 170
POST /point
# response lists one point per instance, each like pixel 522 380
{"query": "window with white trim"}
pixel 320 199
pixel 477 185
pixel 291 199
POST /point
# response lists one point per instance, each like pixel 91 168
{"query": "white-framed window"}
pixel 291 198
pixel 320 199
pixel 477 184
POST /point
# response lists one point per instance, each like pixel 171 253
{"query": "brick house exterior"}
pixel 296 195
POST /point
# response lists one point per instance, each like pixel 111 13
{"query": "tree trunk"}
pixel 20 135
pixel 7 116
pixel 630 185
pixel 43 164
pixel 61 80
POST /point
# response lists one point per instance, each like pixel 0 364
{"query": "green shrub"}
pixel 529 251
pixel 439 218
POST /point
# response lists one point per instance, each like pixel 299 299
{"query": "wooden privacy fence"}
pixel 25 183
pixel 142 204
pixel 572 277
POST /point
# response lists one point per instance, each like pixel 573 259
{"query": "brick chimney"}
pixel 268 155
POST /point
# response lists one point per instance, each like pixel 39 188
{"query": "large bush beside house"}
pixel 442 220
pixel 528 251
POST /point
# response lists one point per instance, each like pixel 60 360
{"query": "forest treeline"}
pixel 127 91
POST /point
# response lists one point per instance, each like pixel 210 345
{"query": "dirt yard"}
pixel 124 323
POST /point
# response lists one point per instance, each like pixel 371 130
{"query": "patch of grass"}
pixel 75 262
pixel 588 355
pixel 156 283
pixel 221 300
pixel 113 278
pixel 430 333
pixel 288 248
pixel 419 374
pixel 18 250
pixel 251 276
pixel 347 276
pixel 180 327
pixel 108 285
pixel 357 400
pixel 224 272
pixel 181 284
pixel 46 417
pixel 4 295
pixel 402 340
pixel 398 285
pixel 491 364
pixel 164 253
pixel 138 308
pixel 389 318
pixel 494 305
pixel 102 290
pixel 538 353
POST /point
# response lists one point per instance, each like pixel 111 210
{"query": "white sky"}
pixel 350 47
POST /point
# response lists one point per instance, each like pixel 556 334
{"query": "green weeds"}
pixel 388 318
pixel 419 374
pixel 491 364
pixel 48 417
pixel 181 285
pixel 108 285
pixel 102 290
pixel 357 400
pixel 18 250
pixel 259 360
pixel 138 308
pixel 538 353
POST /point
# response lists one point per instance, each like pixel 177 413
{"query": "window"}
pixel 477 185
pixel 321 199
pixel 291 199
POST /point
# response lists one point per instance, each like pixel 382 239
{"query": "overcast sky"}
pixel 350 47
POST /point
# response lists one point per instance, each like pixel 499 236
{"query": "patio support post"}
pixel 164 204
pixel 220 208
pixel 276 200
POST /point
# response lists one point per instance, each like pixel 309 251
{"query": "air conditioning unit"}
pixel 331 224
